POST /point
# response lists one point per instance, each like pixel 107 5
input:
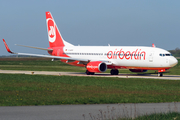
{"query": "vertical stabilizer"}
pixel 55 38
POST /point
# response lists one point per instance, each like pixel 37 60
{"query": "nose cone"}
pixel 173 61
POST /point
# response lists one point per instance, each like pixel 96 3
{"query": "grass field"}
pixel 153 116
pixel 36 64
pixel 156 116
pixel 45 64
pixel 16 89
pixel 160 116
pixel 19 89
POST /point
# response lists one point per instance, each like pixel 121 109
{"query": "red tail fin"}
pixel 55 38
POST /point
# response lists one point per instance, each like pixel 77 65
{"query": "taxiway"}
pixel 85 112
pixel 121 75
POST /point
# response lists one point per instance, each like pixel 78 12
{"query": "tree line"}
pixel 176 52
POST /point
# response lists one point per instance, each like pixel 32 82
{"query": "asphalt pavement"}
pixel 84 112
pixel 121 75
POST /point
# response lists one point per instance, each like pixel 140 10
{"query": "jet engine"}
pixel 96 66
pixel 138 70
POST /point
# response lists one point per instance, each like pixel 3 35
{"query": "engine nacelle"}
pixel 138 70
pixel 96 66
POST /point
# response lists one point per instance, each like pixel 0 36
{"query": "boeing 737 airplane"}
pixel 98 59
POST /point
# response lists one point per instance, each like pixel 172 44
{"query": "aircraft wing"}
pixel 35 47
pixel 53 57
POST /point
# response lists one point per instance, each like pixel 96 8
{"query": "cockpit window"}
pixel 165 54
pixel 168 55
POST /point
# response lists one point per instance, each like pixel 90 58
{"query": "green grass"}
pixel 157 116
pixel 37 64
pixel 16 89
pixel 53 90
pixel 160 116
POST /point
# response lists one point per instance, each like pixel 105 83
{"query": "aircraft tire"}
pixel 160 74
pixel 89 73
pixel 114 72
pixel 92 73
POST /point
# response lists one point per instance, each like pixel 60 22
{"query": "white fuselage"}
pixel 124 56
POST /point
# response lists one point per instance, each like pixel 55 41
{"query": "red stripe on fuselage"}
pixel 131 67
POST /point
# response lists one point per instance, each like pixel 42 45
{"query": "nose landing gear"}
pixel 160 74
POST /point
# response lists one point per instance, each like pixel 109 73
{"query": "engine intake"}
pixel 96 66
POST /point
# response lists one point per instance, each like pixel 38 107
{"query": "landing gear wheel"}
pixel 89 73
pixel 114 72
pixel 160 74
pixel 92 73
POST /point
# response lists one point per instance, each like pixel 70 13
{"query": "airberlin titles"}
pixel 128 55
pixel 138 54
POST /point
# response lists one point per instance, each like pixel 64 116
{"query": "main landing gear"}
pixel 89 73
pixel 114 72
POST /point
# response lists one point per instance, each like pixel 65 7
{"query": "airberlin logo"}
pixel 92 67
pixel 51 30
pixel 129 55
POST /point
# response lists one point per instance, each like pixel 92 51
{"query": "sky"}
pixel 90 23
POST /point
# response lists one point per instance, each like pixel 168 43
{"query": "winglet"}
pixel 7 48
pixel 153 45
